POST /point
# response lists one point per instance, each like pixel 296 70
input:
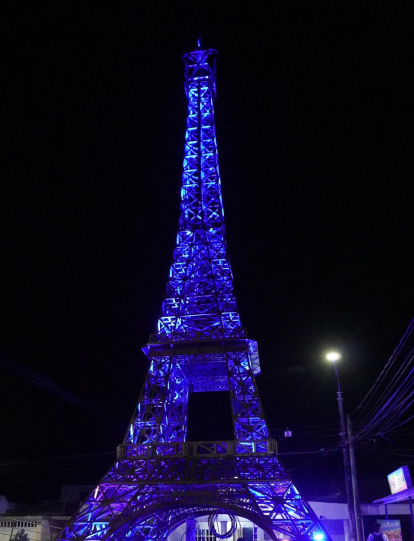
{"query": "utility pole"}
pixel 347 467
pixel 334 356
pixel 357 504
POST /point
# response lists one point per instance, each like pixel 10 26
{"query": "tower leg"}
pixel 174 422
pixel 249 423
pixel 161 413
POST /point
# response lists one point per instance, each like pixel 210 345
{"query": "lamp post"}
pixel 334 356
pixel 357 504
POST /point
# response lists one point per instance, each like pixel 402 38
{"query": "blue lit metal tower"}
pixel 199 345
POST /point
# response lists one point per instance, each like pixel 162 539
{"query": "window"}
pixel 18 524
pixel 204 535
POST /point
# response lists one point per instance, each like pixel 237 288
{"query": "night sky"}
pixel 314 131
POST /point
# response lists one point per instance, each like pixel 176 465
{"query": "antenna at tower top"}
pixel 199 43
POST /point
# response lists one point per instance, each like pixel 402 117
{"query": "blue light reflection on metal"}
pixel 200 300
pixel 199 346
pixel 199 307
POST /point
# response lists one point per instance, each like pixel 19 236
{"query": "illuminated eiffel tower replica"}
pixel 158 477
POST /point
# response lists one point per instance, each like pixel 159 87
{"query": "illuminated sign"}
pixel 399 480
pixel 391 528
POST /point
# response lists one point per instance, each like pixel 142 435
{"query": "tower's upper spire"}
pixel 200 301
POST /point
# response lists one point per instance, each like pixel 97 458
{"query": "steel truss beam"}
pixel 200 345
pixel 150 496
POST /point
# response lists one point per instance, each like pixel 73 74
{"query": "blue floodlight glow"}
pixel 200 301
pixel 159 477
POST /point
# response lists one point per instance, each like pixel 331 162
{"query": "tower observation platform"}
pixel 159 478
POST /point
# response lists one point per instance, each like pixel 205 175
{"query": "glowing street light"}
pixel 333 356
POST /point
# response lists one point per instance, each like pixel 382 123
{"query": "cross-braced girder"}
pixel 139 492
pixel 161 414
pixel 200 300
pixel 200 345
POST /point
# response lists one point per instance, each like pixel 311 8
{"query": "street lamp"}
pixel 334 356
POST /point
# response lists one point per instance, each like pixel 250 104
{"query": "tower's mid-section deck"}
pixel 201 449
pixel 204 363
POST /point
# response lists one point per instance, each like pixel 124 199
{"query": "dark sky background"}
pixel 315 133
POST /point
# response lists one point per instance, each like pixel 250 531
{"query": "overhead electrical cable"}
pixel 389 387
pixel 55 459
pixel 369 396
pixel 41 381
pixel 392 395
pixel 392 410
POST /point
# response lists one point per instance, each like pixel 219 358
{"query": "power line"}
pixel 381 379
pixel 56 458
pixel 392 394
pixel 32 376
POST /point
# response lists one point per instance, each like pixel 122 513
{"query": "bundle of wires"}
pixel 388 404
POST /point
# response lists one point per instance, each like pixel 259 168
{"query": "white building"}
pixel 30 527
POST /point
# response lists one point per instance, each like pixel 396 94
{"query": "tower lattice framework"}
pixel 199 345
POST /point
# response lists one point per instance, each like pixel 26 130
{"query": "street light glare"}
pixel 333 356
